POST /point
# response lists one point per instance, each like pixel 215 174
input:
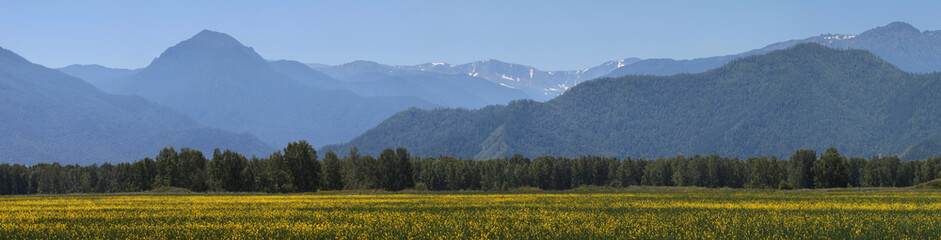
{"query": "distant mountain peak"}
pixel 900 25
pixel 213 38
pixel 208 46
pixel 895 28
pixel 491 60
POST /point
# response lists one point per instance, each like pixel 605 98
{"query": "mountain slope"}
pixel 219 82
pixel 924 149
pixel 102 77
pixel 808 96
pixel 48 116
pixel 898 43
pixel 305 75
pixel 445 89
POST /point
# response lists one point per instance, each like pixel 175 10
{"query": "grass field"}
pixel 737 215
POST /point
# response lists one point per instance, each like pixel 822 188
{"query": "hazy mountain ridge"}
pixel 104 78
pixel 220 82
pixel 377 80
pixel 808 96
pixel 52 117
pixel 898 43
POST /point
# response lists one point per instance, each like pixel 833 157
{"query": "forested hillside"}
pixel 808 96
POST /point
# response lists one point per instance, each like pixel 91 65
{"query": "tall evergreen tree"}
pixel 855 168
pixel 192 168
pixel 168 168
pixel 145 173
pixel 226 169
pixel 830 170
pixel 301 160
pixel 881 172
pixel 800 168
pixel 403 169
pixel 332 168
pixel 765 173
pixel 387 170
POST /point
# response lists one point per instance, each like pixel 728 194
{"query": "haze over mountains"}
pixel 104 78
pixel 219 82
pixel 898 43
pixel 808 96
pixel 219 93
pixel 373 79
pixel 48 116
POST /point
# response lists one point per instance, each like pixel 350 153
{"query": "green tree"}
pixel 226 169
pixel 168 168
pixel 404 169
pixel 906 174
pixel 830 170
pixel 387 170
pixel 192 168
pixel 658 173
pixel 395 170
pixel 800 168
pixel 626 174
pixel 301 162
pixel 765 173
pixel 855 168
pixel 881 172
pixel 145 173
pixel 332 168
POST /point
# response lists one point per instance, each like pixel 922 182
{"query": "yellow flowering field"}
pixel 738 215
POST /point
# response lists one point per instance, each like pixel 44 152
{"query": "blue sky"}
pixel 550 35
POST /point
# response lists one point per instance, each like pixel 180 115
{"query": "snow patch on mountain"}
pixel 839 37
pixel 507 77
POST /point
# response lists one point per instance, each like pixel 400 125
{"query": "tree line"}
pixel 298 169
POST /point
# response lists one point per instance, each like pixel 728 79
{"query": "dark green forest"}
pixel 298 169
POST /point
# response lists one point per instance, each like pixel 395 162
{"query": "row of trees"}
pixel 297 169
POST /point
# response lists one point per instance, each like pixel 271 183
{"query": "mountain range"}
pixel 898 43
pixel 807 96
pixel 48 116
pixel 223 85
pixel 216 80
pixel 376 80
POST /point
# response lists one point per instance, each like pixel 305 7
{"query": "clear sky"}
pixel 550 35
